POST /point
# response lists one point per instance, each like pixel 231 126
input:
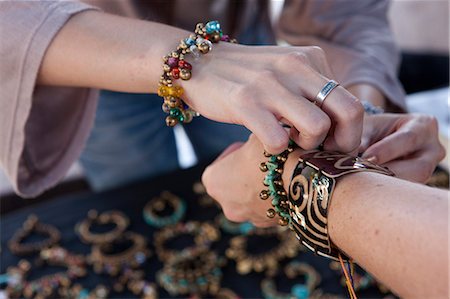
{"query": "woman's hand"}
pixel 408 144
pixel 234 180
pixel 260 86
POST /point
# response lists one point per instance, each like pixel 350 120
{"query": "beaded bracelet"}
pixel 114 264
pixel 203 232
pixel 176 67
pixel 276 190
pixel 118 218
pixel 192 271
pixel 33 225
pixel 158 204
pixel 299 290
pixel 268 261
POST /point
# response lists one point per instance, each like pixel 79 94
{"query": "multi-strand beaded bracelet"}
pixel 176 67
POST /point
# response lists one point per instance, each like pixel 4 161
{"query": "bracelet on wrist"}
pixel 276 192
pixel 310 193
pixel 176 67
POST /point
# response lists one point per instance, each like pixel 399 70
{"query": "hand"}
pixel 407 144
pixel 234 180
pixel 260 86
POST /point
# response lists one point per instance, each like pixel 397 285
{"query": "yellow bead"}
pixel 173 91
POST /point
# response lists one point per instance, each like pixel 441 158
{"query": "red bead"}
pixel 184 65
pixel 175 73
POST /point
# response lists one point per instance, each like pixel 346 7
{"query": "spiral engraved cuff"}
pixel 310 192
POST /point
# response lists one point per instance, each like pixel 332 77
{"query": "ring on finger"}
pixel 324 92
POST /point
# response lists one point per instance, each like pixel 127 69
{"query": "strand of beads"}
pixel 176 67
pixel 274 168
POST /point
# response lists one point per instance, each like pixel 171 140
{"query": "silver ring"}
pixel 324 92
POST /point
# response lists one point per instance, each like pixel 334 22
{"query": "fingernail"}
pixel 372 159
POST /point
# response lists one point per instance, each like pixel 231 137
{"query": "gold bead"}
pixel 283 221
pixel 264 194
pixel 270 213
pixel 282 193
pixel 185 74
pixel 204 47
pixel 166 68
pixel 173 102
pixel 263 167
pixel 175 54
pixel 171 122
pixel 215 37
pixel 267 155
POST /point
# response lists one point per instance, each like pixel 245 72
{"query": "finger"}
pixel 345 111
pixel 416 170
pixel 311 123
pixel 398 144
pixel 268 130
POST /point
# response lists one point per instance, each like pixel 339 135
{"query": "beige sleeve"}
pixel 356 38
pixel 42 129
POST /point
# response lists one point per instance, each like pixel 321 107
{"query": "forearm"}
pixel 396 230
pixel 100 50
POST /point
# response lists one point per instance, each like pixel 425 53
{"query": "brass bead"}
pixel 166 68
pixel 175 54
pixel 215 37
pixel 171 122
pixel 270 213
pixel 264 194
pixel 263 167
pixel 281 192
pixel 173 102
pixel 204 47
pixel 185 74
pixel 283 221
pixel 281 158
pixel 267 155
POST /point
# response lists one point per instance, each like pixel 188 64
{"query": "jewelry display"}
pixel 114 263
pixel 234 228
pixel 286 247
pixel 299 290
pixel 192 271
pixel 223 293
pixel 203 233
pixel 158 204
pixel 77 291
pixel 310 193
pixel 83 229
pixel 273 180
pixel 30 226
pixel 45 286
pixel 176 67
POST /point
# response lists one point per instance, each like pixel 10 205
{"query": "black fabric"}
pixel 66 211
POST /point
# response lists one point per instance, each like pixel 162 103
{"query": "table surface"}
pixel 66 211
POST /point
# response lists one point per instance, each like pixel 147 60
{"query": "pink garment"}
pixel 43 129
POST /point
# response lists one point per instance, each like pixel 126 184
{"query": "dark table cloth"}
pixel 66 211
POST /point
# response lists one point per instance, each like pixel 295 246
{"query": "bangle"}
pixel 299 290
pixel 203 232
pixel 176 67
pixel 113 264
pixel 234 228
pixel 120 220
pixel 32 224
pixel 158 204
pixel 274 181
pixel 287 247
pixel 192 271
pixel 310 192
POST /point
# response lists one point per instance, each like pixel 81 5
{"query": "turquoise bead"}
pixel 300 291
pixel 271 166
pixel 189 41
pixel 275 201
pixel 175 112
pixel 212 27
pixel 246 227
